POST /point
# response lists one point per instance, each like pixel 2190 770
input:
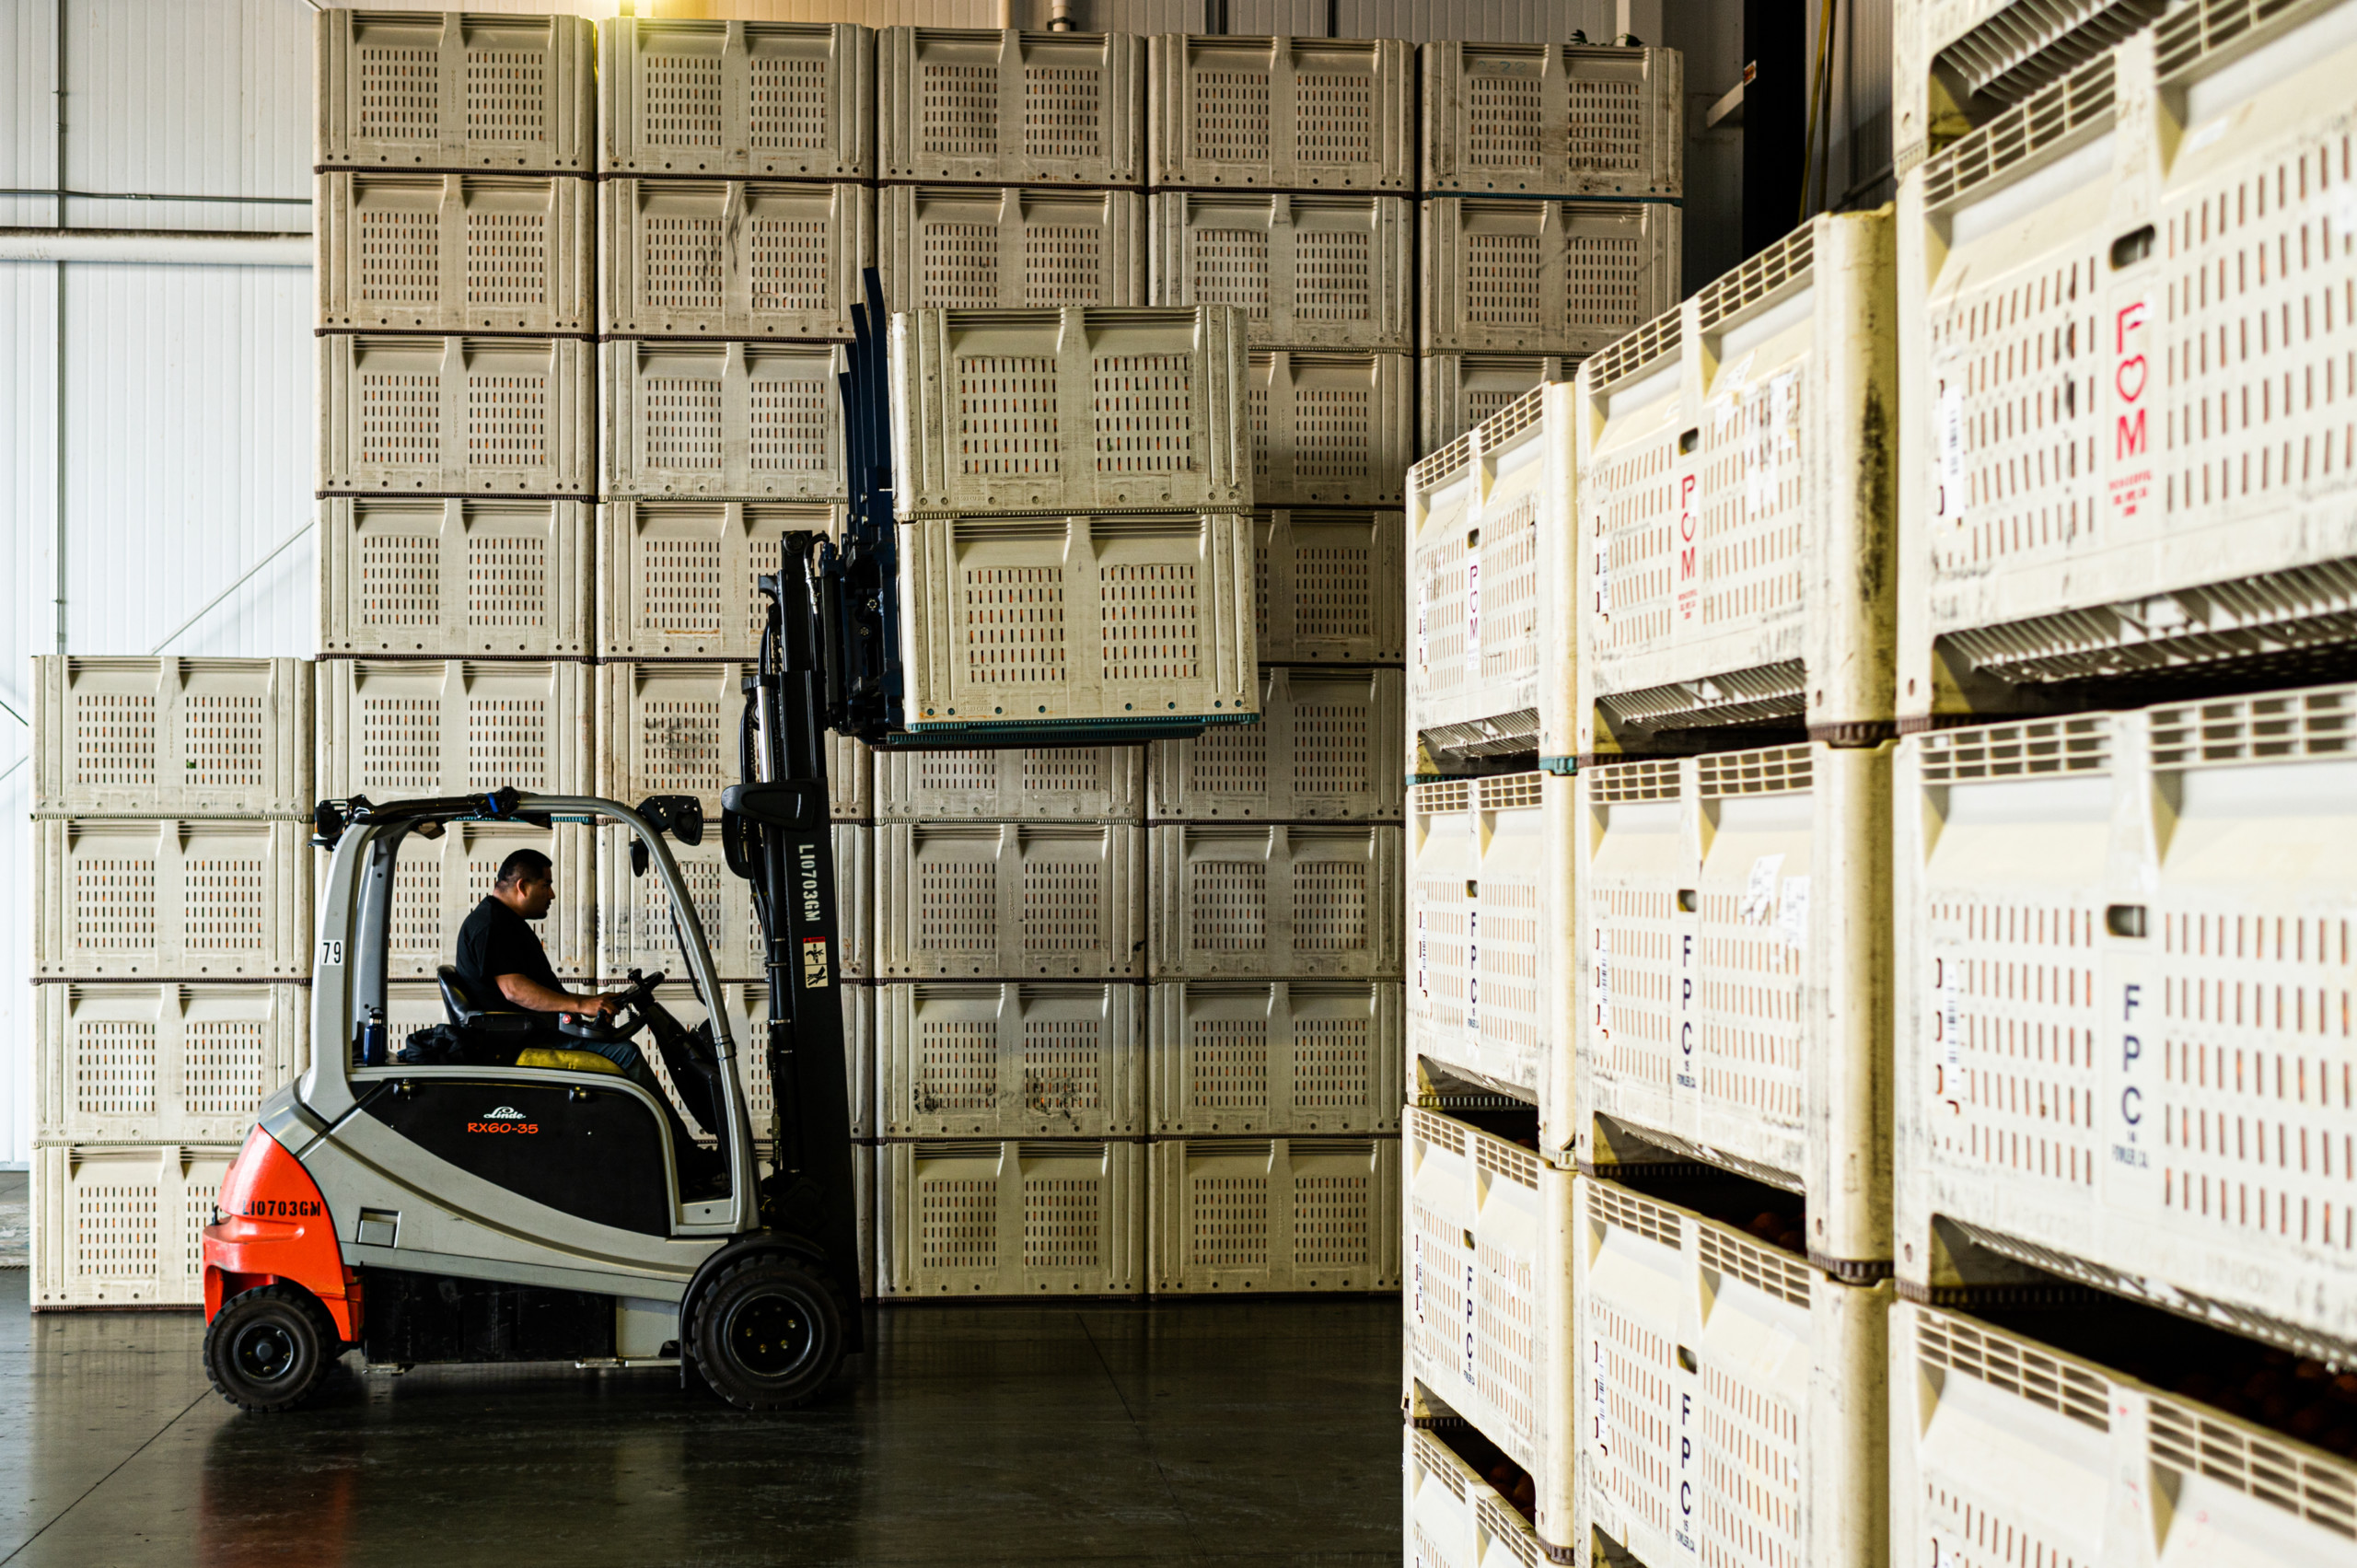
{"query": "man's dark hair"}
pixel 522 864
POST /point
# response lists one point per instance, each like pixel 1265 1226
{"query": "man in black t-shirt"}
pixel 500 957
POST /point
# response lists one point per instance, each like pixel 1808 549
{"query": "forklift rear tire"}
pixel 768 1334
pixel 268 1349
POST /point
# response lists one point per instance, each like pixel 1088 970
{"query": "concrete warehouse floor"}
pixel 1232 1433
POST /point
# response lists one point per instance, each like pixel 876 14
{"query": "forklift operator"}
pixel 500 955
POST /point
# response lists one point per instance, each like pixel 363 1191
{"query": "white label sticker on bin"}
pixel 1602 989
pixel 1951 437
pixel 1947 1029
pixel 1792 911
pixel 1603 569
pixel 1760 889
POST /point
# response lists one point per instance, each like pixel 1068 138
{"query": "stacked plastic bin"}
pixel 171 948
pixel 1549 177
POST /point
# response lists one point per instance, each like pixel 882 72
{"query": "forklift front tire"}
pixel 768 1333
pixel 267 1349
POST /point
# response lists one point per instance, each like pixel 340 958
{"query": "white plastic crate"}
pixel 1307 271
pixel 1068 410
pixel 1997 1438
pixel 171 736
pixel 677 579
pixel 1486 1307
pixel 744 420
pixel 1258 1216
pixel 1492 633
pixel 1247 900
pixel 456 415
pixel 782 101
pixel 1458 391
pixel 438 882
pixel 1954 60
pixel 1732 477
pixel 1250 1056
pixel 1076 620
pixel 121 1225
pixel 1732 929
pixel 390 729
pixel 1010 900
pixel 1731 1398
pixel 1330 429
pixel 1455 1519
pixel 989 107
pixel 123 899
pixel 975 1217
pixel 673 728
pixel 454 90
pixel 1553 120
pixel 1279 113
pixel 732 258
pixel 1326 586
pixel 162 1063
pixel 422 574
pixel 2097 919
pixel 1489 933
pixel 1509 274
pixel 454 252
pixel 634 913
pixel 976 248
pixel 1012 1060
pixel 1104 784
pixel 1327 745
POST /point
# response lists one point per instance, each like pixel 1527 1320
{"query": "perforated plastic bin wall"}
pixel 738 421
pixel 1731 479
pixel 1453 1518
pixel 1998 1438
pixel 1731 1398
pixel 1302 1056
pixel 120 1225
pixel 1326 586
pixel 456 415
pixel 678 579
pixel 1327 745
pixel 1330 429
pixel 1246 1217
pixel 441 575
pixel 635 929
pixel 783 100
pixel 125 899
pixel 1331 270
pixel 1012 1060
pixel 438 882
pixel 980 248
pixel 1492 626
pixel 453 90
pixel 977 1218
pixel 1030 901
pixel 1553 120
pixel 732 258
pixel 171 736
pixel 674 728
pixel 1490 988
pixel 1282 901
pixel 1076 620
pixel 2166 236
pixel 1732 927
pixel 1509 274
pixel 1486 1308
pixel 162 1063
pixel 1103 783
pixel 1458 391
pixel 2120 957
pixel 1948 54
pixel 396 727
pixel 1281 113
pixel 1009 108
pixel 1068 410
pixel 455 252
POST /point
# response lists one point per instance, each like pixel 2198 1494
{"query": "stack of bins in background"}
pixel 2124 1058
pixel 1550 176
pixel 172 896
pixel 737 219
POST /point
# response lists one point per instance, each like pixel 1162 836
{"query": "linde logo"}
pixel 504 1113
pixel 507 1119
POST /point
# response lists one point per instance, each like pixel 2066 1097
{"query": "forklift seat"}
pixel 472 1016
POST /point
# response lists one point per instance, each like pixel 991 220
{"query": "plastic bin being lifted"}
pixel 118 1225
pixel 442 576
pixel 171 736
pixel 1328 270
pixel 983 1217
pixel 786 100
pixel 676 577
pixel 740 421
pixel 1012 1060
pixel 150 1063
pixel 980 248
pixel 1279 113
pixel 1327 745
pixel 455 252
pixel 1330 427
pixel 1553 120
pixel 1509 274
pixel 1230 1057
pixel 454 90
pixel 1009 108
pixel 1258 1216
pixel 1326 586
pixel 456 415
pixel 732 258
